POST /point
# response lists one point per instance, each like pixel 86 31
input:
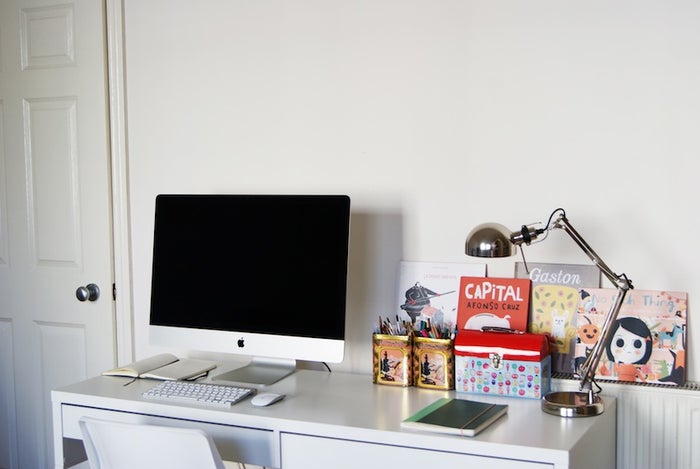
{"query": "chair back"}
pixel 119 445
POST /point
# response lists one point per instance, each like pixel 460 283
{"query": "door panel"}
pixel 55 213
pixel 52 181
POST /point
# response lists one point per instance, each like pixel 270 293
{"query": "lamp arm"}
pixel 623 285
pixel 618 280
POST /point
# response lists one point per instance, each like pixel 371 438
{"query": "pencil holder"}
pixel 433 363
pixel 392 359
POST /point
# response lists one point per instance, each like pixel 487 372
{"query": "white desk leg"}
pixel 57 435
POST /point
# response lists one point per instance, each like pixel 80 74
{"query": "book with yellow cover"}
pixel 553 302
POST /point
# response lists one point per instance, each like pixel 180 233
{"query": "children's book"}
pixel 456 416
pixel 553 303
pixel 493 302
pixel 428 290
pixel 570 275
pixel 164 366
pixel 648 341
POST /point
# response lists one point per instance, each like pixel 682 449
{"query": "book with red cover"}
pixel 493 302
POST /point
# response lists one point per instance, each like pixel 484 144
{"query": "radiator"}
pixel 658 427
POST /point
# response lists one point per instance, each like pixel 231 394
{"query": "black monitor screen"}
pixel 270 264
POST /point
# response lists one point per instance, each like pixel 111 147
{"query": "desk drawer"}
pixel 243 444
pixel 312 452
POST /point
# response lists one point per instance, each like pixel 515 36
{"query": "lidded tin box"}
pixel 513 363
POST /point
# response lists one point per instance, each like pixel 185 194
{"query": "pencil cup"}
pixel 392 359
pixel 433 363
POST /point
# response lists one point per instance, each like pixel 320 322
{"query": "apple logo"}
pixel 241 342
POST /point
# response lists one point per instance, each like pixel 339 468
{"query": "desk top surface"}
pixel 350 406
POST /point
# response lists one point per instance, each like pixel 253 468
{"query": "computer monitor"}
pixel 258 275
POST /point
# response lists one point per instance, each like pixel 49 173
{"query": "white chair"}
pixel 118 445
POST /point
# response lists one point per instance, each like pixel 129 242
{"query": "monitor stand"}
pixel 259 372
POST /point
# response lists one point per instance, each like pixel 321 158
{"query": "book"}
pixel 456 416
pixel 553 302
pixel 571 275
pixel 189 369
pixel 428 290
pixel 493 302
pixel 164 366
pixel 648 342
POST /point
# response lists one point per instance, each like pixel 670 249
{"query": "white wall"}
pixel 433 116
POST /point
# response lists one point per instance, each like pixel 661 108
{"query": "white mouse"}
pixel 266 398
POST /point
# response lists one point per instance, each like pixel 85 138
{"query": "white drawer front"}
pixel 312 452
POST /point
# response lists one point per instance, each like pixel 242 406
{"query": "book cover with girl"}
pixel 648 340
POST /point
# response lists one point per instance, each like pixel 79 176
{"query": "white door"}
pixel 55 233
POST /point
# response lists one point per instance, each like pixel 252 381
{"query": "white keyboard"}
pixel 216 395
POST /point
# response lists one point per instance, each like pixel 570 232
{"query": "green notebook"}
pixel 455 416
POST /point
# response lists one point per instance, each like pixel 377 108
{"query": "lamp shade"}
pixel 489 240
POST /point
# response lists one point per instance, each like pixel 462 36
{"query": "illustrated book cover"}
pixel 164 366
pixel 553 303
pixel 493 302
pixel 456 416
pixel 428 290
pixel 648 342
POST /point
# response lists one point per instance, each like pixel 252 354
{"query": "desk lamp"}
pixel 495 240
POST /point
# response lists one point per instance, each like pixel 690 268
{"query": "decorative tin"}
pixel 433 363
pixel 392 359
pixel 503 364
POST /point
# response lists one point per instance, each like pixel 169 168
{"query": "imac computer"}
pixel 263 276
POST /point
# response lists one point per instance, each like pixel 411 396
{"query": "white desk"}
pixel 344 421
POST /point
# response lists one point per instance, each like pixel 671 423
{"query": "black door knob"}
pixel 90 292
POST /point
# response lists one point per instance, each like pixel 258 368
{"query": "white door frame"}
pixel 120 181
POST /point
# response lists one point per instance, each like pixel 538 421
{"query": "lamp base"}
pixel 573 404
